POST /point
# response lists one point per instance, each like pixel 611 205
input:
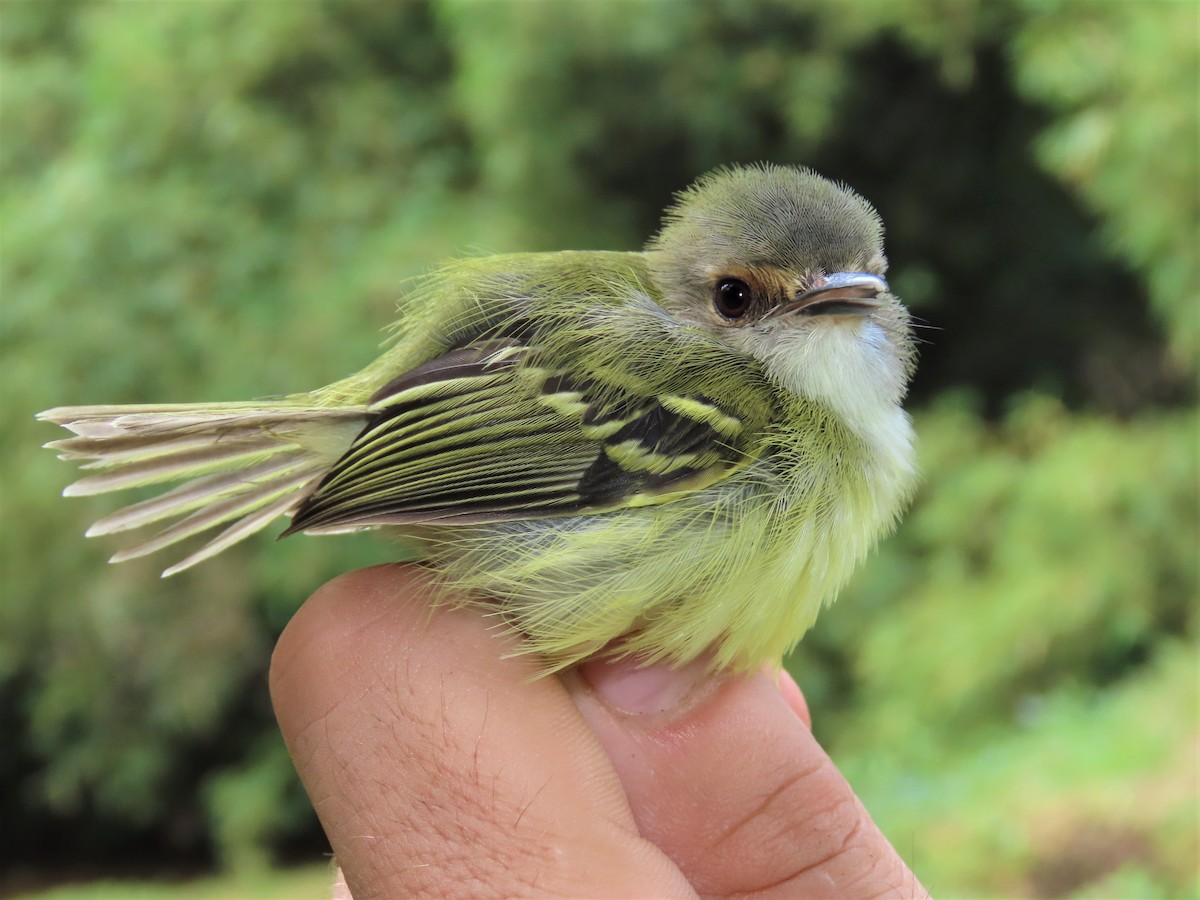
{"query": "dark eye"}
pixel 732 297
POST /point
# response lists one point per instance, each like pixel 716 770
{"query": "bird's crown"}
pixel 783 217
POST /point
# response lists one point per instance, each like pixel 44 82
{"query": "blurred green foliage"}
pixel 222 200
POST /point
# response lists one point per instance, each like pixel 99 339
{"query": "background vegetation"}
pixel 220 200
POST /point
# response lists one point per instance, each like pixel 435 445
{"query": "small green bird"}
pixel 686 448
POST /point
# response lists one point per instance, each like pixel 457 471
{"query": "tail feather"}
pixel 170 466
pixel 243 528
pixel 188 497
pixel 242 465
pixel 175 418
pixel 214 514
pixel 114 450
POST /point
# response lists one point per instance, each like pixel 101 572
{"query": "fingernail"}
pixel 639 689
pixel 793 696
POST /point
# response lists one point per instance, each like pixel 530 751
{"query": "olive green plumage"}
pixel 685 448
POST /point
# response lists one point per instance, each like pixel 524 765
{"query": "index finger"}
pixel 438 766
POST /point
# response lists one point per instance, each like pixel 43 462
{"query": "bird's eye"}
pixel 732 298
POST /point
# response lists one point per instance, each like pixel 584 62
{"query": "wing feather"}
pixel 484 433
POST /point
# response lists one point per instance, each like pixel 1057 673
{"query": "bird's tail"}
pixel 242 465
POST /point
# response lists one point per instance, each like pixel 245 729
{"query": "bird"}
pixel 667 454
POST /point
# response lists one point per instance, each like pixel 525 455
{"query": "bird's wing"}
pixel 485 433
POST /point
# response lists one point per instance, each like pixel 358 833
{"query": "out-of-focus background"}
pixel 221 200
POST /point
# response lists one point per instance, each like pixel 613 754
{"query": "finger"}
pixel 438 766
pixel 727 779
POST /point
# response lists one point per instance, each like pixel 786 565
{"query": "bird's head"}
pixel 788 268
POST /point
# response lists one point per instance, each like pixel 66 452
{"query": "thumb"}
pixel 723 774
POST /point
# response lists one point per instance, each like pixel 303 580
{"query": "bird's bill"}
pixel 839 294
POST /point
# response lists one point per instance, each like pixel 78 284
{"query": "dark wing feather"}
pixel 483 434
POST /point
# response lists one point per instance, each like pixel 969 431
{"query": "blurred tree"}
pixel 1120 81
pixel 222 200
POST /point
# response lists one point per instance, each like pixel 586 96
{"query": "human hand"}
pixel 437 767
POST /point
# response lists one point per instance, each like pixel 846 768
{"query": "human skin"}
pixel 439 766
